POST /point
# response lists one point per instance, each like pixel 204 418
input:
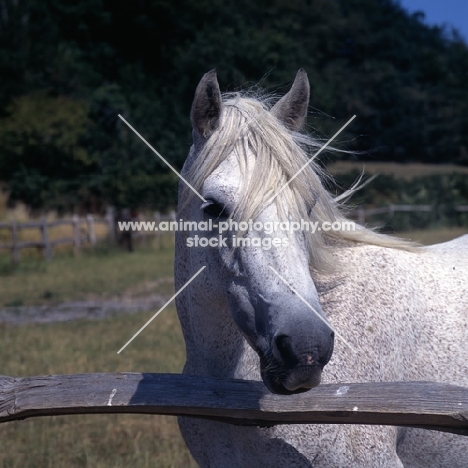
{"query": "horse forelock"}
pixel 248 128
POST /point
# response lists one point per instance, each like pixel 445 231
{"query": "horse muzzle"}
pixel 289 381
pixel 287 369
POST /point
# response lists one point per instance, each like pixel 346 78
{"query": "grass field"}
pixel 91 346
pixel 93 440
pixel 104 272
pixel 428 237
pixel 101 441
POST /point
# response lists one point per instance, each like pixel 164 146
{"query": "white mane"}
pixel 247 126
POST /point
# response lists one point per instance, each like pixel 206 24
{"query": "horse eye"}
pixel 215 210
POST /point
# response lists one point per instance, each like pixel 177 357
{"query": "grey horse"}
pixel 294 307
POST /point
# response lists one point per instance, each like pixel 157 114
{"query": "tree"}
pixel 407 83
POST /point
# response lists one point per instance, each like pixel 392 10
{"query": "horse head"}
pixel 243 153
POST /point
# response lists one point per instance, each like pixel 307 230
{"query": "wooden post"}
pixel 110 218
pixel 91 231
pixel 45 240
pixel 76 235
pixel 157 220
pixel 144 233
pixel 14 238
pixel 172 217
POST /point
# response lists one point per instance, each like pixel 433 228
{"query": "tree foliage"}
pixel 68 68
pixel 43 152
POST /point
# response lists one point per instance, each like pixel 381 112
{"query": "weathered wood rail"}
pixel 425 405
pixel 361 213
pixel 82 232
pixel 84 228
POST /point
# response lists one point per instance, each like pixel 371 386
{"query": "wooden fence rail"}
pixel 46 244
pixel 84 231
pixel 362 213
pixel 414 404
pixel 88 223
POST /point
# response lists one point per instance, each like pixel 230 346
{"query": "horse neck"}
pixel 214 345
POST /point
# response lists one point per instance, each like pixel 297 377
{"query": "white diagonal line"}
pixel 170 167
pixel 312 309
pixel 310 160
pixel 161 309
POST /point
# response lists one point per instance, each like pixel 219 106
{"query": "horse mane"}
pixel 247 126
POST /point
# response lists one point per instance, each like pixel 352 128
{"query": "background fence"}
pixel 83 232
pixel 362 214
pixel 84 228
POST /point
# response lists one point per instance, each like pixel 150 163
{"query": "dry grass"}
pixel 100 441
pixel 93 440
pixel 399 170
pixel 434 236
pixel 19 212
pixel 3 204
pixel 103 272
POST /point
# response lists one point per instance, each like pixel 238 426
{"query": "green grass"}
pixel 93 440
pixel 102 272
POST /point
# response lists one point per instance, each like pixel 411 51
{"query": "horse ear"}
pixel 207 105
pixel 291 109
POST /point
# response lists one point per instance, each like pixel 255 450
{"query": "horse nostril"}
pixel 280 342
pixel 283 345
